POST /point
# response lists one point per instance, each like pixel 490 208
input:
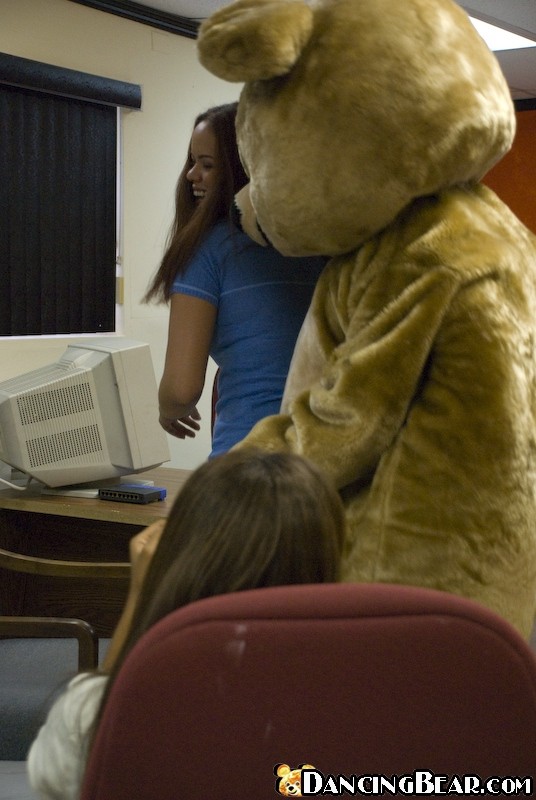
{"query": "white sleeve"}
pixel 57 757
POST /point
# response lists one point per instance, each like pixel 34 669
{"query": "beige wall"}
pixel 174 89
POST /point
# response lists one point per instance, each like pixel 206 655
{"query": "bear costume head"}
pixel 365 127
pixel 371 102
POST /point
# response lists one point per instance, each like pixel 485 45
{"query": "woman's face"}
pixel 203 173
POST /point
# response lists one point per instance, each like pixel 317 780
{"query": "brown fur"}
pixel 414 379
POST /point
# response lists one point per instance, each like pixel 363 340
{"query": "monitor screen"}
pixel 90 416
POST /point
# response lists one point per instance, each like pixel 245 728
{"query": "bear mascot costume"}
pixel 365 127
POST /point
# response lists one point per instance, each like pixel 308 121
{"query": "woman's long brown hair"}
pixel 243 520
pixel 193 221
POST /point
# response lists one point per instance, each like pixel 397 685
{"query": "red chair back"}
pixel 352 679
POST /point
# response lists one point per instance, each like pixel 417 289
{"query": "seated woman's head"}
pixel 245 520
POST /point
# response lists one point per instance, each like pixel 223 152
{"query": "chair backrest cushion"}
pixel 351 679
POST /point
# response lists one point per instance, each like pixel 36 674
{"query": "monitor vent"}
pixel 64 446
pixel 54 403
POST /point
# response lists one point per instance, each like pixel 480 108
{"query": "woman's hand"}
pixel 183 427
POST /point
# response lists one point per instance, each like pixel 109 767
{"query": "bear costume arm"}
pixel 365 377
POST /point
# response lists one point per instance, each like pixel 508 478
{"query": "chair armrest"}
pixel 55 628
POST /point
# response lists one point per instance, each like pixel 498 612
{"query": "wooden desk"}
pixel 76 529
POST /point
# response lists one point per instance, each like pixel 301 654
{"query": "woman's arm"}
pixel 368 372
pixel 142 548
pixel 191 328
pixel 57 758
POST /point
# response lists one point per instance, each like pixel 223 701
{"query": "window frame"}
pixel 89 116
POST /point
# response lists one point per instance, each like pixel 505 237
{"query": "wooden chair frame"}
pixel 57 627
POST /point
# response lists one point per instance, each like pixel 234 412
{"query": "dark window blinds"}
pixel 58 134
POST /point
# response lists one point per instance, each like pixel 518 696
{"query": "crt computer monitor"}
pixel 90 416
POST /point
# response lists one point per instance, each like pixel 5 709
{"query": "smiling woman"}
pixel 203 174
pixel 230 298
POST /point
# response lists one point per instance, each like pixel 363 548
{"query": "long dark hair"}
pixel 243 520
pixel 192 221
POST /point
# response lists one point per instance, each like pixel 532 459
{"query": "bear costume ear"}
pixel 254 39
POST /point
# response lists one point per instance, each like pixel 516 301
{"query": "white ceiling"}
pixel 193 9
pixel 518 16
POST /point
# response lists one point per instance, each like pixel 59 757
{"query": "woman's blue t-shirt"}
pixel 261 298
